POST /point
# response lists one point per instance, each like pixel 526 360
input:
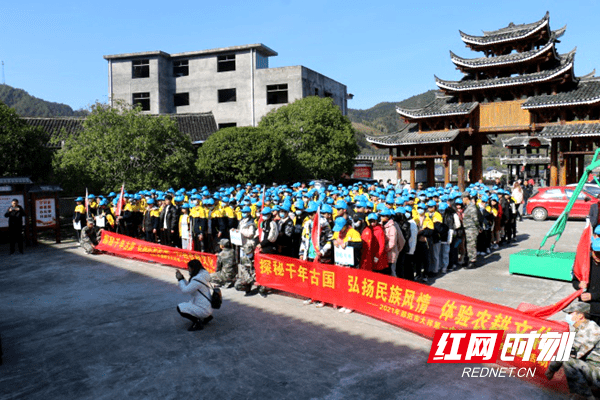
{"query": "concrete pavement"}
pixel 76 326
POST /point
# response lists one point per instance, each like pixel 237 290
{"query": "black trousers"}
pixel 150 237
pixel 421 258
pixel 166 237
pixel 405 266
pixel 15 238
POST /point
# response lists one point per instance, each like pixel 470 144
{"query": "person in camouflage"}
pixel 90 237
pixel 246 274
pixel 583 367
pixel 226 268
pixel 472 224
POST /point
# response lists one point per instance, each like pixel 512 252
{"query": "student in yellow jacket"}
pixel 79 218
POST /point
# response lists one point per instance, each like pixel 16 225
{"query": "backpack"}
pixel 216 299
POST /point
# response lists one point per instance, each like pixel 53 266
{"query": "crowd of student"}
pixel 412 234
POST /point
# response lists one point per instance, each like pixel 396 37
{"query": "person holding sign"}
pixel 346 238
pixel 347 247
pixel 79 218
pixel 15 214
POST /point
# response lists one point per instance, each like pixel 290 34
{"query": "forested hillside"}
pixel 28 106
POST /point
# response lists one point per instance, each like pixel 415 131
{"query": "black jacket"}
pixel 168 213
pixel 593 288
pixel 15 218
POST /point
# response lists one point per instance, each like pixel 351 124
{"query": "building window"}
pixel 140 68
pixel 316 91
pixel 328 94
pixel 226 63
pixel 277 94
pixel 142 99
pixel 226 95
pixel 181 68
pixel 228 125
pixel 181 99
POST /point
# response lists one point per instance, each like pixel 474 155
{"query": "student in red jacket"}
pixel 374 255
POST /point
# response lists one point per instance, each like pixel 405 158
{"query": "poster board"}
pixel 236 237
pixel 45 212
pixel 343 256
pixel 5 203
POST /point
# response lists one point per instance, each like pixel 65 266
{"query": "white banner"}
pixel 45 212
pixel 5 204
pixel 235 237
pixel 343 256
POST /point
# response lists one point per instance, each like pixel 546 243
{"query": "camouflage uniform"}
pixel 89 239
pixel 226 268
pixel 583 369
pixel 472 224
pixel 246 274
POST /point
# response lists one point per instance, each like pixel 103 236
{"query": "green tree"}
pixel 319 139
pixel 22 147
pixel 236 155
pixel 120 144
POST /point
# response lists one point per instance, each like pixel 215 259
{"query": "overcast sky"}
pixel 382 50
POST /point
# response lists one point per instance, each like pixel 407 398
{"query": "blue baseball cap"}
pixel 596 244
pixel 326 208
pixel 372 216
pixel 386 212
pixel 266 211
pixel 340 222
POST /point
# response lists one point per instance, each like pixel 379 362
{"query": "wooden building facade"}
pixel 521 85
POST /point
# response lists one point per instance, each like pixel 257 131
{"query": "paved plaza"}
pixel 77 326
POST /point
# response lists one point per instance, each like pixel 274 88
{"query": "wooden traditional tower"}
pixel 522 85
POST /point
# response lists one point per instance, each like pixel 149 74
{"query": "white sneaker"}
pixel 307 302
pixel 348 311
pixel 342 310
pixel 320 304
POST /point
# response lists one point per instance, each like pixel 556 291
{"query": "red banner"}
pixel 129 247
pixel 413 306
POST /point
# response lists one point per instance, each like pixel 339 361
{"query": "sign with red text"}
pixel 413 306
pixel 129 247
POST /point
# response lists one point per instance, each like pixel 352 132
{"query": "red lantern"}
pixel 535 142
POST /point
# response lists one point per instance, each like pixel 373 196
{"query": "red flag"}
pixel 87 204
pixel 121 200
pixel 260 218
pixel 581 267
pixel 581 270
pixel 316 234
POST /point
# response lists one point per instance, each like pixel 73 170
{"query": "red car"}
pixel 551 201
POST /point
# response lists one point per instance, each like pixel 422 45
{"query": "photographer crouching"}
pixel 198 309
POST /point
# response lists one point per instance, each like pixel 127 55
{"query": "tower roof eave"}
pixel 440 107
pixel 508 34
pixel 508 59
pixel 462 86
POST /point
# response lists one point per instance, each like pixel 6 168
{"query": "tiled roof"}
pixel 410 135
pixel 198 126
pixel 523 141
pixel 571 130
pixel 512 58
pixel 523 160
pixel 57 127
pixel 18 180
pixel 586 92
pixel 441 106
pixel 468 83
pixel 507 34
